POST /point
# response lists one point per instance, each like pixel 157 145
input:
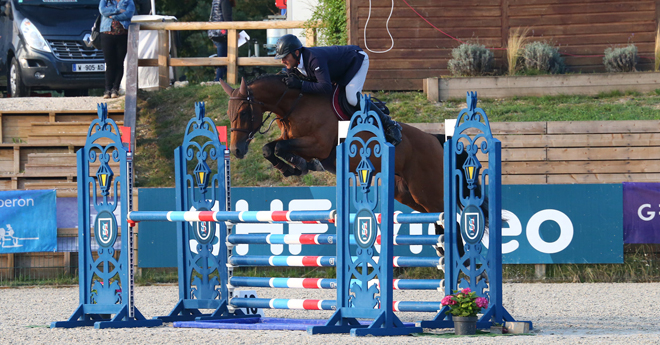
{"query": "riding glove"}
pixel 293 82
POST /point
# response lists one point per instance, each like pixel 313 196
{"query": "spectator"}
pixel 116 16
pixel 221 11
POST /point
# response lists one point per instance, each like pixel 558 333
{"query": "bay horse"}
pixel 308 127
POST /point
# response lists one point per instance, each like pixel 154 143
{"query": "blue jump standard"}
pixel 261 323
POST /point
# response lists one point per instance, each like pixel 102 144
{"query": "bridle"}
pixel 249 99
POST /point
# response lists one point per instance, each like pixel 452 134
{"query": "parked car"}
pixel 42 47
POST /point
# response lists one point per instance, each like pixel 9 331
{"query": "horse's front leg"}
pixel 286 169
pixel 301 146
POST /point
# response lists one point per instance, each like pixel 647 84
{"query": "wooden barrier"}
pixel 566 152
pixel 232 61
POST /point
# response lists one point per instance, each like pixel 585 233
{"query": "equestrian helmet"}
pixel 285 45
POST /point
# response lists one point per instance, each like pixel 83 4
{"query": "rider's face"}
pixel 291 61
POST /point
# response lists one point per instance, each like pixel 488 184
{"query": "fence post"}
pixel 232 56
pixel 163 59
pixel 11 265
pixel 310 37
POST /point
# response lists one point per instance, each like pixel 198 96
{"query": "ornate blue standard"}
pixel 358 187
pixel 203 271
pixel 106 283
pixel 478 270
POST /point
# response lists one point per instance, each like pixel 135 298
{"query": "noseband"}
pixel 249 99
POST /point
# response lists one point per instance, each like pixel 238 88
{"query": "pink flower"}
pixel 466 291
pixel 481 302
pixel 447 301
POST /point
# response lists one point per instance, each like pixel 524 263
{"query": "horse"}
pixel 308 127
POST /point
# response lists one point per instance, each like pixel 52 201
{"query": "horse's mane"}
pixel 267 77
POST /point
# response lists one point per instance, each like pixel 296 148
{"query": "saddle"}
pixel 344 110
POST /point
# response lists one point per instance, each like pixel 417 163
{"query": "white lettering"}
pixel 565 235
pixel 299 229
pixel 247 228
pixel 514 229
pixel 649 215
pixel 16 202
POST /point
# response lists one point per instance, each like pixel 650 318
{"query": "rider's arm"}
pixel 319 69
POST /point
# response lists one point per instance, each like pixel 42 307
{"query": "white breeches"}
pixel 356 84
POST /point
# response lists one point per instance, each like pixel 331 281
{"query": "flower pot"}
pixel 465 325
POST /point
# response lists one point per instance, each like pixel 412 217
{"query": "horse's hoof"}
pixel 315 165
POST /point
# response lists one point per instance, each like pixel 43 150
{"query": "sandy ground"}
pixel 561 313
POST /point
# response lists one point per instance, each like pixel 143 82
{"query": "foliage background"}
pixel 332 14
pixel 197 43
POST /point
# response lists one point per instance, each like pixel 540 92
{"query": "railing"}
pixel 232 61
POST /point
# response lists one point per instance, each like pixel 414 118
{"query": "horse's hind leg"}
pixel 402 195
pixel 286 169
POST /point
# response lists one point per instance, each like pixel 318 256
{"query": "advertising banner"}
pixel 641 212
pixel 544 224
pixel 27 221
pixel 67 217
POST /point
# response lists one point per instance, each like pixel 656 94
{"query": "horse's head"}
pixel 246 116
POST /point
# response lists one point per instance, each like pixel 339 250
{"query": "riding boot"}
pixel 391 128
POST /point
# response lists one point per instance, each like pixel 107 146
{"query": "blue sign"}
pixel 545 224
pixel 27 221
pixel 641 212
pixel 553 224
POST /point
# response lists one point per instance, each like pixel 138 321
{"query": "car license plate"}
pixel 89 67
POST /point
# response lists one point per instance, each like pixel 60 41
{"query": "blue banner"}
pixel 545 224
pixel 641 212
pixel 27 221
pixel 559 224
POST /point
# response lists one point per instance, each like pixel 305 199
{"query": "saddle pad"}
pixel 336 105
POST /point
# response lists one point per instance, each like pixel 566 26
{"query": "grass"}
pixel 515 44
pixel 27 280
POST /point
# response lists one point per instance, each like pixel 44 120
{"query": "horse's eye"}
pixel 243 112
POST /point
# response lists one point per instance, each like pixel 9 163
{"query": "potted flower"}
pixel 464 306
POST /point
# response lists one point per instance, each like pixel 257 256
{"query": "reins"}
pixel 249 99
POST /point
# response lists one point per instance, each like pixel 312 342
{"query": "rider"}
pixel 320 67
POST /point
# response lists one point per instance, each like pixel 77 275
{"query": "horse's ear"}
pixel 228 89
pixel 243 89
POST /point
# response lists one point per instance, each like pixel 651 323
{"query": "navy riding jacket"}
pixel 328 65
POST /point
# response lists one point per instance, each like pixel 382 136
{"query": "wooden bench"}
pixel 15 126
pixel 66 163
pixel 70 133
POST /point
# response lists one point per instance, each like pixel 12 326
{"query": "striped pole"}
pixel 325 283
pixel 319 304
pixel 304 217
pixel 401 240
pixel 326 261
